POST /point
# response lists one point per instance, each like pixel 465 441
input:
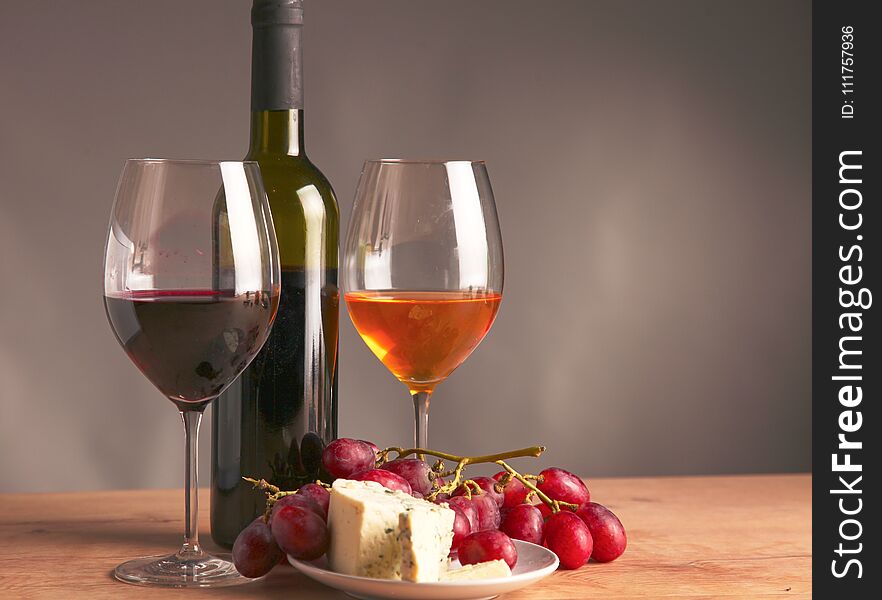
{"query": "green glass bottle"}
pixel 274 420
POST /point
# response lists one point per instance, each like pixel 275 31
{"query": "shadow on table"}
pixel 146 538
pixel 284 582
pixel 126 540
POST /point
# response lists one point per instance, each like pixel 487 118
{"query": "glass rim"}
pixel 188 161
pixel 420 161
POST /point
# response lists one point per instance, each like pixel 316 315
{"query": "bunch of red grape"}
pixel 297 522
pixel 499 511
pixel 489 512
pixel 297 525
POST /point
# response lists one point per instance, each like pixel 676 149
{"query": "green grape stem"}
pixel 554 505
pixel 273 493
pixel 263 485
pixel 471 487
pixel 533 451
pixel 499 486
pixel 461 463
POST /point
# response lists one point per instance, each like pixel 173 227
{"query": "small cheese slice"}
pixel 485 570
pixel 425 538
pixel 385 534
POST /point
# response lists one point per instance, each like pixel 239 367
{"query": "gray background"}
pixel 651 162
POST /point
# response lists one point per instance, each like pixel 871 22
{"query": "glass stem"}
pixel 191 548
pixel 421 419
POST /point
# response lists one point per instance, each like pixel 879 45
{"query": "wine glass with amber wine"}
pixel 423 269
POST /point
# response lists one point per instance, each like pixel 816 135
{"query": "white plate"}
pixel 534 563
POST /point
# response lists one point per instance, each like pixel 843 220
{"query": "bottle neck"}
pixel 277 132
pixel 276 77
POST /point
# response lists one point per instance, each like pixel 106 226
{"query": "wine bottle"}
pixel 274 420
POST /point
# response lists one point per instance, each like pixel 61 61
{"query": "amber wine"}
pixel 422 336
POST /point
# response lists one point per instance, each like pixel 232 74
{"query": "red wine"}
pixel 191 343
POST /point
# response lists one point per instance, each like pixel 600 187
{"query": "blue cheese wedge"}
pixel 376 532
pixel 425 538
pixel 485 570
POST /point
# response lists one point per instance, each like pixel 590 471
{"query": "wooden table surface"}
pixel 688 537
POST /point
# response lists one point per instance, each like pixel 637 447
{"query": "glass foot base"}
pixel 174 571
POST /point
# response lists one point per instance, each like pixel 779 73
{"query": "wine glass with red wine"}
pixel 191 288
pixel 423 269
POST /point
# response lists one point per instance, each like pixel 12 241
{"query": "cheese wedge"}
pixel 376 532
pixel 425 544
pixel 485 570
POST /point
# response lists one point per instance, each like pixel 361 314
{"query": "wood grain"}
pixel 695 538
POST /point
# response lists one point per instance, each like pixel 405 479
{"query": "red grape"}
pixel 514 492
pixel 311 447
pixel 415 471
pixel 487 545
pixel 485 483
pixel 374 447
pixel 467 508
pixel 387 479
pixel 300 532
pixel 255 551
pixel 524 522
pixel 318 494
pixel 543 509
pixel 567 536
pixel 461 528
pixel 345 456
pixel 606 530
pixel 300 500
pixel 563 485
pixel 488 512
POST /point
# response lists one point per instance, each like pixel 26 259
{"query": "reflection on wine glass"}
pixel 423 269
pixel 191 301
